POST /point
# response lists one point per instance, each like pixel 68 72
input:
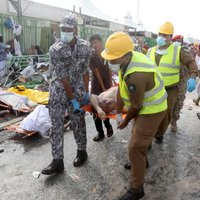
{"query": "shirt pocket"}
pixel 66 57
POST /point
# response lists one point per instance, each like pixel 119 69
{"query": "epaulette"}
pixel 58 45
pixel 80 41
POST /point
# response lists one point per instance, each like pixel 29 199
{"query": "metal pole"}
pixel 138 10
pixel 19 11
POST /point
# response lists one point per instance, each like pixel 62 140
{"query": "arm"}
pixel 188 61
pixel 97 74
pixel 95 71
pixel 85 70
pixel 95 104
pixel 67 87
pixel 136 83
pixel 120 103
pixel 86 81
pixel 61 72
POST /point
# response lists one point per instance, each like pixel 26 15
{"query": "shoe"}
pixel 128 165
pixel 159 140
pixel 198 115
pixel 99 137
pixel 173 127
pixel 56 166
pixel 109 131
pixel 1 150
pixel 132 195
pixel 80 158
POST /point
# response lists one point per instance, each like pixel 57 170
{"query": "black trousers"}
pixel 99 124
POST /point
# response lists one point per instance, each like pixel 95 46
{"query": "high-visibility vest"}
pixel 155 99
pixel 169 65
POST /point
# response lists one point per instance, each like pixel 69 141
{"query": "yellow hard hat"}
pixel 167 28
pixel 117 45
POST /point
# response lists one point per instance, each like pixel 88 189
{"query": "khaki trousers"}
pixel 143 132
pixel 171 101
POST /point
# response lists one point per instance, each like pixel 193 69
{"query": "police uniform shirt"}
pixel 70 63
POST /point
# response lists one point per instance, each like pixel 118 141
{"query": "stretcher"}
pixel 17 129
pixel 88 108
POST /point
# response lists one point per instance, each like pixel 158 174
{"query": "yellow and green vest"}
pixel 155 99
pixel 169 65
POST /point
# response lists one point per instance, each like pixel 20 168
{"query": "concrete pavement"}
pixel 174 172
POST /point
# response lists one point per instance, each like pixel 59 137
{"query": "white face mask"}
pixel 161 52
pixel 67 36
pixel 114 67
pixel 177 43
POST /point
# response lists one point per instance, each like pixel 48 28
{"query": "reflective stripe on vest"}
pixel 169 71
pixel 150 93
pixel 155 99
pixel 156 102
pixel 155 90
pixel 173 65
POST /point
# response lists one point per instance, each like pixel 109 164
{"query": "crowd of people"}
pixel 151 91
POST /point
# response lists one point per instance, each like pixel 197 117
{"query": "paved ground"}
pixel 174 172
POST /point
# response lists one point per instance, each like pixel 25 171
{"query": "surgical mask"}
pixel 114 67
pixel 67 36
pixel 161 41
pixel 161 52
pixel 177 43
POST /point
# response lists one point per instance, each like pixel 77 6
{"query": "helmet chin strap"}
pixel 127 60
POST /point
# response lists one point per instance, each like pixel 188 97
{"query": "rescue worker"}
pixel 101 81
pixel 141 89
pixel 169 58
pixel 69 62
pixel 182 86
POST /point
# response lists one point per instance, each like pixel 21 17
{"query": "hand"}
pixel 76 106
pixel 123 124
pixel 86 99
pixel 101 114
pixel 191 84
pixel 119 119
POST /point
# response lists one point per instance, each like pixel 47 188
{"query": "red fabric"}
pixel 177 37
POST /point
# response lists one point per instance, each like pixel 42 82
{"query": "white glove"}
pixel 118 119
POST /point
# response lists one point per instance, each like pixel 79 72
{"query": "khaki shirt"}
pixel 143 81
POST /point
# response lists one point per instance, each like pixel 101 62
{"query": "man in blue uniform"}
pixel 69 62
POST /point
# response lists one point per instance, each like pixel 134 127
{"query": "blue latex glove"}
pixel 85 100
pixel 191 84
pixel 76 106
